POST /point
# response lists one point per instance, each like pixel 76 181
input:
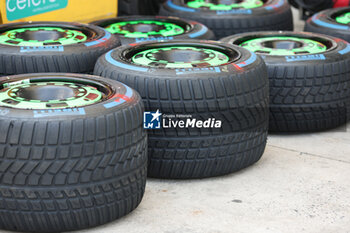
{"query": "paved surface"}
pixel 298 24
pixel 302 184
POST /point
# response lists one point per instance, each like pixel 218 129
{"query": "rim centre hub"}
pixel 180 57
pixel 40 35
pixel 142 27
pixel 224 4
pixel 145 28
pixel 173 56
pixel 48 95
pixel 283 45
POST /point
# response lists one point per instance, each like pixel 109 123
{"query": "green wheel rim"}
pixel 284 45
pixel 145 28
pixel 225 5
pixel 180 57
pixel 47 95
pixel 40 36
pixel 344 18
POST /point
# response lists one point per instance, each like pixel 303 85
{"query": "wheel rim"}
pixel 145 28
pixel 343 18
pixel 284 45
pixel 48 95
pixel 216 5
pixel 180 57
pixel 41 36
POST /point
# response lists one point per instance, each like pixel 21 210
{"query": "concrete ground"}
pixel 298 24
pixel 302 184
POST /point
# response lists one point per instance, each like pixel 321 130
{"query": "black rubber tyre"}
pixel 55 57
pixel 273 15
pixel 73 168
pixel 193 30
pixel 235 93
pixel 307 92
pixel 324 22
pixel 138 7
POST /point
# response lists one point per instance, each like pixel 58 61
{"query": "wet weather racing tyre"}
pixel 135 29
pixel 218 91
pixel 333 22
pixel 73 153
pixel 230 18
pixel 52 47
pixel 309 78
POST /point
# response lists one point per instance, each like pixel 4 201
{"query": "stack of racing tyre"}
pixel 165 100
pixel 73 152
pixel 202 80
pixel 309 78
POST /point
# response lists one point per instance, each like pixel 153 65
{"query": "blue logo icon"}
pixel 151 120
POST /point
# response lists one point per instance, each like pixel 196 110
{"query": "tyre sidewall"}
pixel 322 22
pixel 107 106
pixel 116 58
pixel 196 31
pixel 332 55
pixel 268 8
pixel 102 40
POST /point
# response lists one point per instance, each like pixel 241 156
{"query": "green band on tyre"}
pixel 284 45
pixel 224 5
pixel 41 36
pixel 145 28
pixel 344 18
pixel 68 95
pixel 180 57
